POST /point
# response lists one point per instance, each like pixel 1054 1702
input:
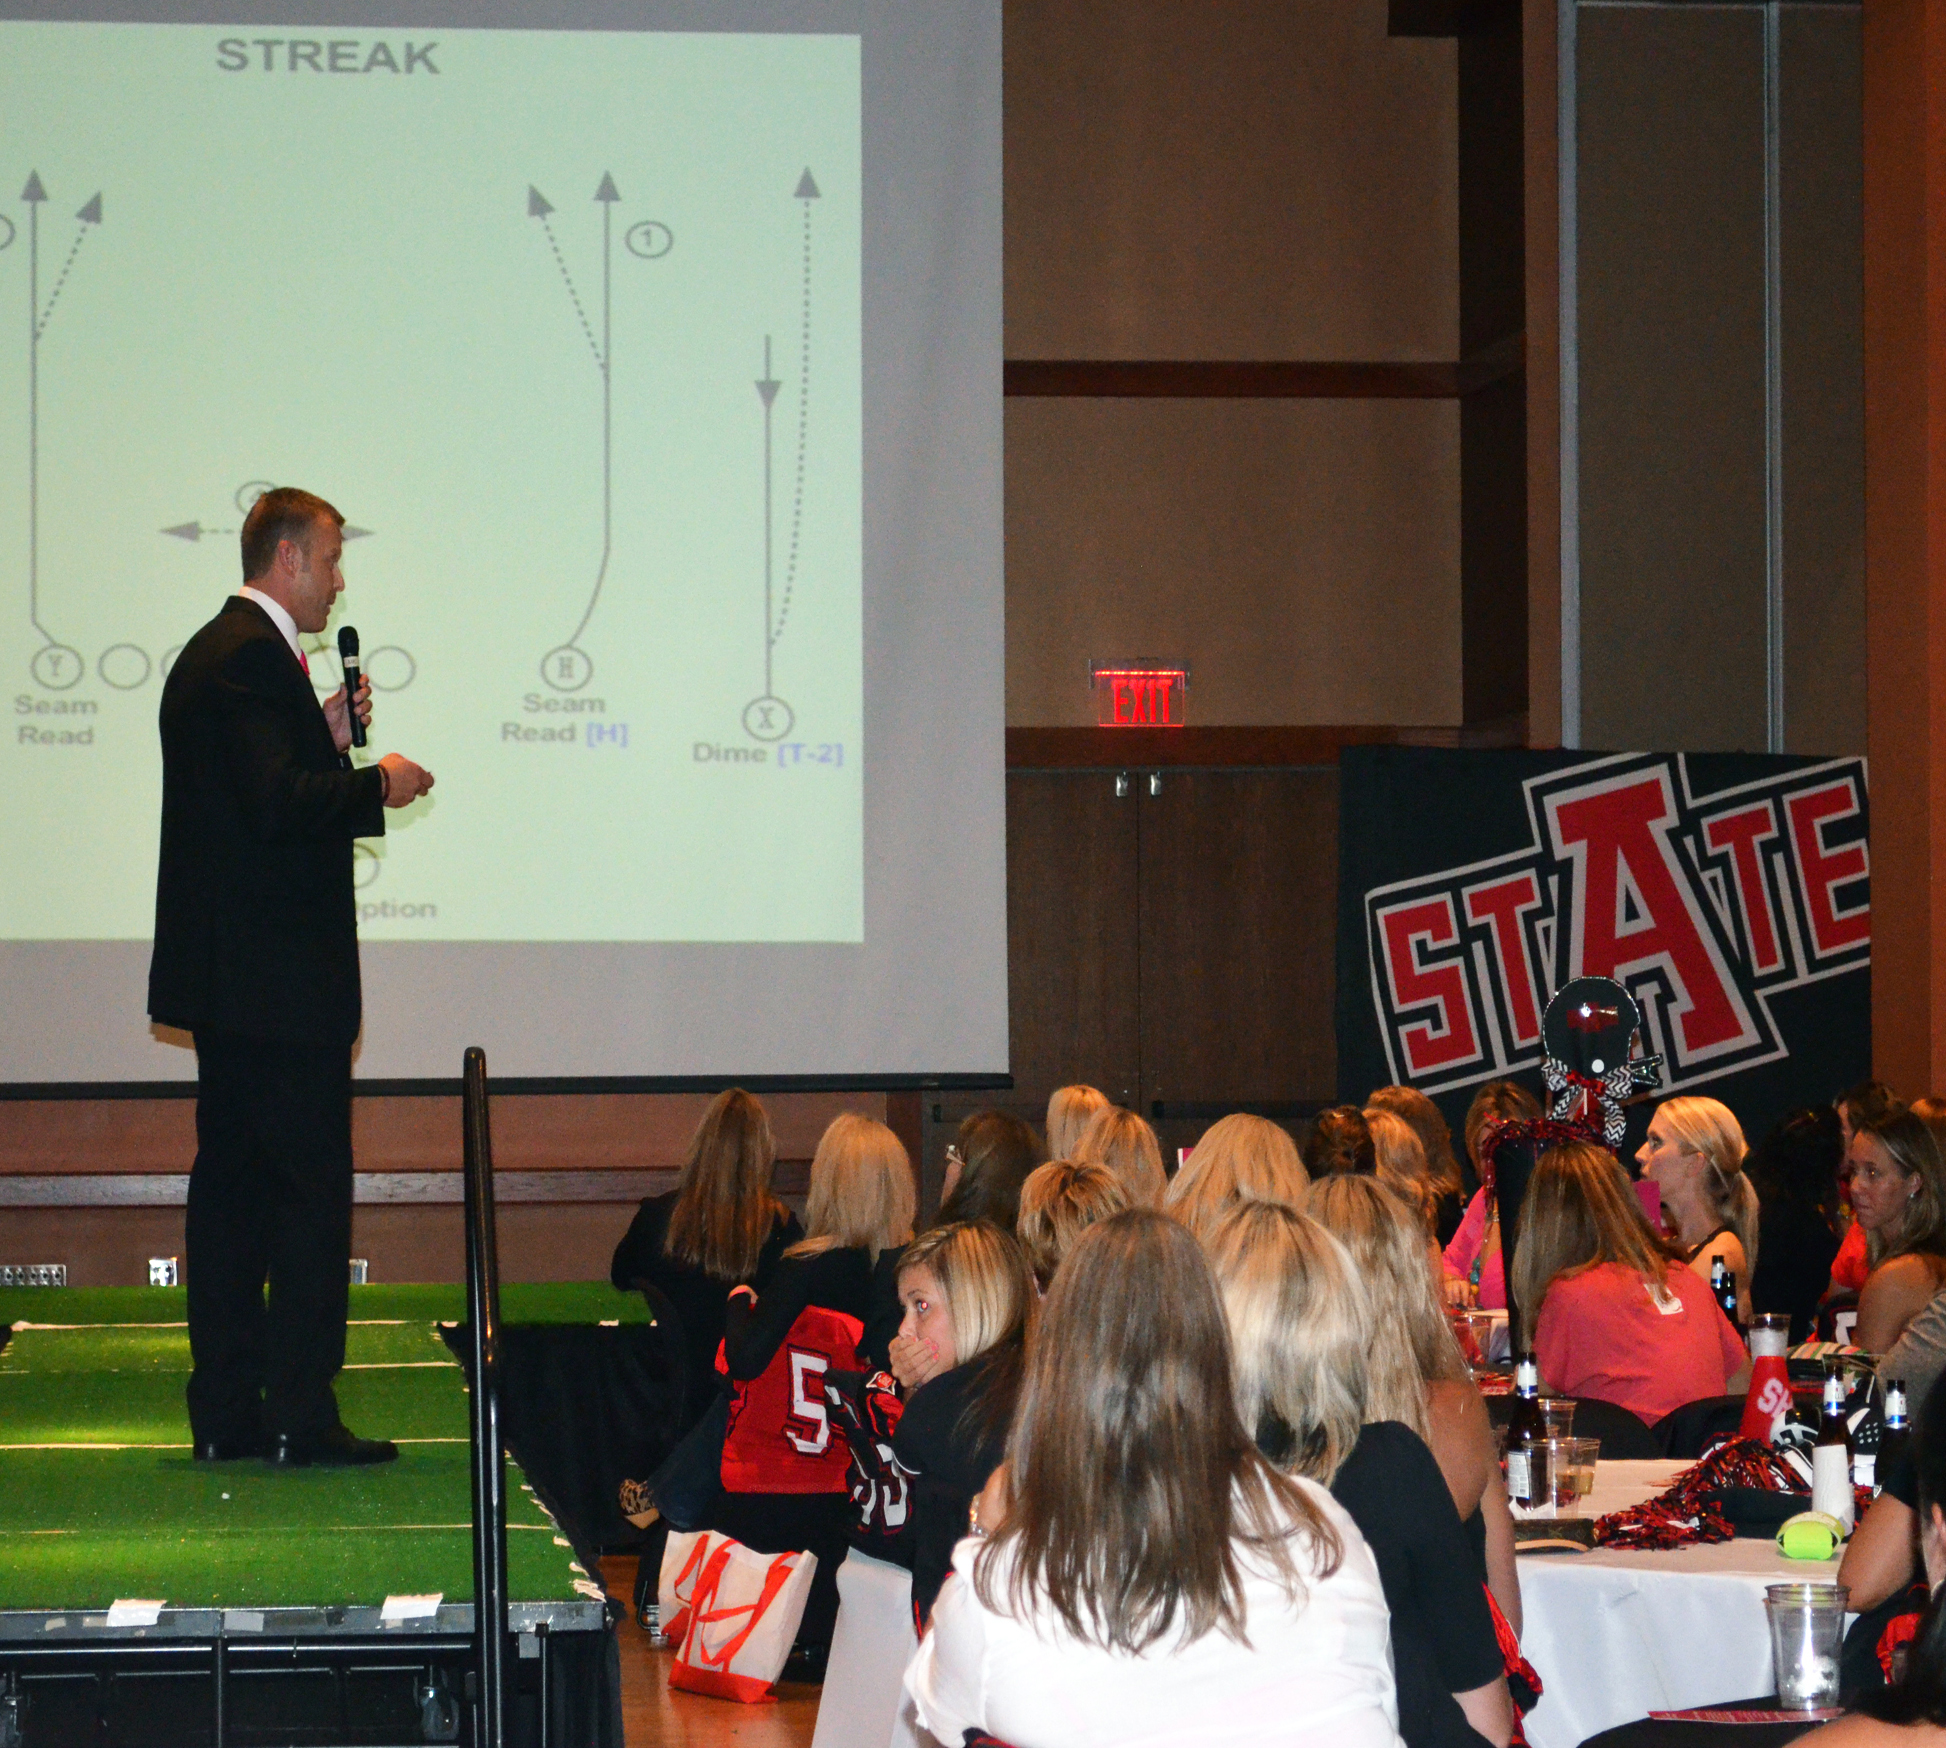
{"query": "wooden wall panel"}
pixel 1236 179
pixel 1301 556
pixel 1824 379
pixel 1672 377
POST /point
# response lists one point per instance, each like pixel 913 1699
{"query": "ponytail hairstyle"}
pixel 1434 1136
pixel 1710 1130
pixel 1059 1201
pixel 1402 1164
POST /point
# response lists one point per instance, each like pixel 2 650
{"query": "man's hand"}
pixel 405 782
pixel 340 721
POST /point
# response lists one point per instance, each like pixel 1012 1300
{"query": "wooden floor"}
pixel 655 1717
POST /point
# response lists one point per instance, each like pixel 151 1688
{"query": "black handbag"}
pixel 686 1489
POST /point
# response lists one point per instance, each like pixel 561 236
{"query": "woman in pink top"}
pixel 1475 1269
pixel 1620 1317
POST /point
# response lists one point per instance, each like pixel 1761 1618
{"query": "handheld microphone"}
pixel 348 659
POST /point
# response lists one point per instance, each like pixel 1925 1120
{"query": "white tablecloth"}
pixel 1617 1635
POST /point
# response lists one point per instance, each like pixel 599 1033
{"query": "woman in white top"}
pixel 1198 1597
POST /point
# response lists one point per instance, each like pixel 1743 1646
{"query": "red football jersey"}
pixel 781 1439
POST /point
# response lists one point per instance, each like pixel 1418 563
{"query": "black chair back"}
pixel 1687 1431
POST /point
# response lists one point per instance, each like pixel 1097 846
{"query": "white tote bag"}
pixel 741 1611
pixel 682 1560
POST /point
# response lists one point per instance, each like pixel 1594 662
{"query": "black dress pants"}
pixel 269 1202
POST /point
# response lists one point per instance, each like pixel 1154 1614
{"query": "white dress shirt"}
pixel 1316 1671
pixel 278 617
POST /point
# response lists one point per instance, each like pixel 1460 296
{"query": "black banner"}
pixel 1730 893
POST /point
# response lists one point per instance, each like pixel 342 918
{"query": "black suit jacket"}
pixel 255 926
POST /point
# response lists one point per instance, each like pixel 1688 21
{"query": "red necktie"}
pixel 304 661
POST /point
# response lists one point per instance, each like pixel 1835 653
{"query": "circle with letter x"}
pixel 767 718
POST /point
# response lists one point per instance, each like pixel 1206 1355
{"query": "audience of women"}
pixel 1070 1109
pixel 778 1497
pixel 1794 1170
pixel 1898 1196
pixel 969 1305
pixel 1059 1202
pixel 1475 1268
pixel 1614 1311
pixel 1300 1328
pixel 1436 1144
pixel 1121 1141
pixel 1239 1159
pixel 1693 1154
pixel 1415 1373
pixel 1147 1575
pixel 988 1161
pixel 1339 1140
pixel 718 1228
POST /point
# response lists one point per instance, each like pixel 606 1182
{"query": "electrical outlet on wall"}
pixel 163 1272
pixel 33 1274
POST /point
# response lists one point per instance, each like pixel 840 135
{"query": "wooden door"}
pixel 1238 898
pixel 1072 968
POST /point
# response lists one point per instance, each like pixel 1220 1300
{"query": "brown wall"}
pixel 539 1241
pixel 1253 180
pixel 1905 533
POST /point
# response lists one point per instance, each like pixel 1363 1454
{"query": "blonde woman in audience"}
pixel 1301 1325
pixel 1060 1201
pixel 969 1305
pixel 782 1492
pixel 1614 1312
pixel 1415 1372
pixel 1150 1576
pixel 1239 1159
pixel 1898 1195
pixel 1070 1110
pixel 1121 1141
pixel 1694 1155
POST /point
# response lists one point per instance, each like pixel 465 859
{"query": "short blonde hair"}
pixel 1239 1159
pixel 1069 1111
pixel 1710 1130
pixel 1300 1326
pixel 982 1276
pixel 1411 1343
pixel 861 1190
pixel 1058 1202
pixel 1121 1141
pixel 1402 1163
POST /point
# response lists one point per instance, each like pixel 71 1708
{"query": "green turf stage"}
pixel 99 1497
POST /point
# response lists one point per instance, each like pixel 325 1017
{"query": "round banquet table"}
pixel 1616 1635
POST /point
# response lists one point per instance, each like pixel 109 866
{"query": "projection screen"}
pixel 652 354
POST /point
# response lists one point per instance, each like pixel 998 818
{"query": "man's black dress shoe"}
pixel 230 1450
pixel 339 1448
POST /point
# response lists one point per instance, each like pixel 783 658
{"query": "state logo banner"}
pixel 1729 893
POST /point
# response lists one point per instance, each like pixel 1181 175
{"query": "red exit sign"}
pixel 1139 695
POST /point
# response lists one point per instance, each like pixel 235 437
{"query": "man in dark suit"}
pixel 256 954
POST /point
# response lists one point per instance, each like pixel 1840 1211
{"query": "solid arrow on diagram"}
pixel 33 191
pixel 607 190
pixel 538 205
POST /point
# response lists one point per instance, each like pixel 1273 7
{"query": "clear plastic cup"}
pixel 1807 1625
pixel 1474 1332
pixel 1770 1335
pixel 1557 1414
pixel 1571 1471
